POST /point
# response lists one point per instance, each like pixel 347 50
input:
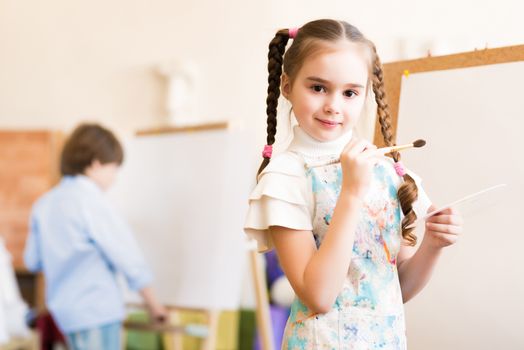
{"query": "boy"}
pixel 80 243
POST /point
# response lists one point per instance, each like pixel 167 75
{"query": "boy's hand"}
pixel 157 313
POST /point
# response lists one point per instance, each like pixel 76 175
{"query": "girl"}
pixel 340 230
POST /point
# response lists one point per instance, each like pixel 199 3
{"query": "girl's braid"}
pixel 277 47
pixel 408 192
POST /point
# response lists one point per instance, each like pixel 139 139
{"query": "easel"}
pixel 455 128
pixel 173 331
pixel 394 71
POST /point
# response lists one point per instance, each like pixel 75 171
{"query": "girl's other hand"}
pixel 444 228
pixel 357 161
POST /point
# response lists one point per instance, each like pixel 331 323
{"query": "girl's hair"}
pixel 87 143
pixel 311 38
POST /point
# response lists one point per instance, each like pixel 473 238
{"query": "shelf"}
pixel 180 129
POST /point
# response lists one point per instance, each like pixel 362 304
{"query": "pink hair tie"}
pixel 292 32
pixel 399 168
pixel 268 151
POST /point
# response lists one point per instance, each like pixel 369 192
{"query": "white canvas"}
pixel 473 121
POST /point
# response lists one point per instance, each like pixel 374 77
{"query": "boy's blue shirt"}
pixel 79 241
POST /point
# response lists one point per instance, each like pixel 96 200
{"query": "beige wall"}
pixel 62 61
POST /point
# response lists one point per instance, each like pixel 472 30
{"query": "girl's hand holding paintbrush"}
pixel 357 160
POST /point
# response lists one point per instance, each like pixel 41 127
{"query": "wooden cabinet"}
pixel 29 162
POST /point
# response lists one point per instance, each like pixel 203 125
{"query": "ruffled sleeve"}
pixel 282 197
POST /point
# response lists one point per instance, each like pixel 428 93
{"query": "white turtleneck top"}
pixel 284 193
pixel 313 150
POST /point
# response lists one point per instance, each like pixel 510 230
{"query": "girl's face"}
pixel 329 91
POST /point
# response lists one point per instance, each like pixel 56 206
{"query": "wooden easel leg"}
pixel 123 338
pixel 178 338
pixel 263 319
pixel 210 342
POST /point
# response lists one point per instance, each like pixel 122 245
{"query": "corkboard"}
pixel 393 73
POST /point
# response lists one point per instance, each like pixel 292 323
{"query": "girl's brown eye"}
pixel 318 88
pixel 349 93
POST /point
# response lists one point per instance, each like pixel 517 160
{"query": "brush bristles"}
pixel 419 143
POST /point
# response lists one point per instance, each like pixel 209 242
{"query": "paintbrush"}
pixel 382 151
